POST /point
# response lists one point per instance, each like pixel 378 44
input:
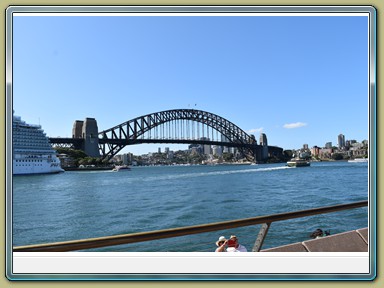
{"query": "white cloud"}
pixel 294 125
pixel 255 130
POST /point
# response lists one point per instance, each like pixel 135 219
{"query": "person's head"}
pixel 317 233
pixel 221 241
pixel 234 240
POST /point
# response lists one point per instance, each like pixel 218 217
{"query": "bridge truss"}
pixel 187 126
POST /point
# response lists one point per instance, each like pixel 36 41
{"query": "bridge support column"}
pixel 89 131
pixel 258 154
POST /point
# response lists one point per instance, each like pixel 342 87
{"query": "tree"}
pixel 288 154
pixel 228 157
pixel 337 156
pixel 75 154
pixel 81 158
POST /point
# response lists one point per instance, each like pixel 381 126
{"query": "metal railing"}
pixel 266 221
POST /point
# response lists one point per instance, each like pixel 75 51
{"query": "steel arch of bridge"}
pixel 179 124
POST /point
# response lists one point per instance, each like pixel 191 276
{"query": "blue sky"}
pixel 298 79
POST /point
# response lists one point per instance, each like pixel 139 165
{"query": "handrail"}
pixel 89 243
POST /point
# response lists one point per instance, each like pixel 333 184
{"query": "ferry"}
pixel 358 160
pixel 32 151
pixel 121 168
pixel 298 163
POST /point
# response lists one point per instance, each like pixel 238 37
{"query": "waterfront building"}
pixel 217 150
pixel 359 150
pixel 227 149
pixel 328 145
pixel 326 153
pixel 304 154
pixel 127 159
pixel 315 151
pixel 194 150
pixel 170 155
pixel 347 144
pixel 206 147
pixel 66 161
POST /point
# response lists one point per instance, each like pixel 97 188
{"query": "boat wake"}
pixel 217 173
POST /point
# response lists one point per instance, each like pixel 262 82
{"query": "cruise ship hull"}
pixel 36 165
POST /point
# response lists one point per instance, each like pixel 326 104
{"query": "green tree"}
pixel 337 156
pixel 228 157
pixel 75 154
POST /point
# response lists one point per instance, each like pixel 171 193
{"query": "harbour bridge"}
pixel 178 126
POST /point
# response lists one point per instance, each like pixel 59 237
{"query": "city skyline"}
pixel 298 79
pixel 163 147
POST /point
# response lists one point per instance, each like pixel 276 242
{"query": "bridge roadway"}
pixel 79 142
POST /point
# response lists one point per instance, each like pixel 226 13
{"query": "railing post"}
pixel 260 238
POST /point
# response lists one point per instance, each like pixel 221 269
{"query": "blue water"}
pixel 77 205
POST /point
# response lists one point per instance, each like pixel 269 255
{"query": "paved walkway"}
pixel 352 241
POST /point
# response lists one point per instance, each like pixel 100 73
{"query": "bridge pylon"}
pixel 88 131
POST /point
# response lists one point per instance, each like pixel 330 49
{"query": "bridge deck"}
pixel 352 241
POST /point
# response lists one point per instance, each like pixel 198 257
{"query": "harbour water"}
pixel 77 205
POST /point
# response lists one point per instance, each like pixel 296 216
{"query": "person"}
pixel 318 233
pixel 234 245
pixel 221 244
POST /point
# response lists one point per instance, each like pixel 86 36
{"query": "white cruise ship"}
pixel 32 152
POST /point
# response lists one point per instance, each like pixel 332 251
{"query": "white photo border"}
pixel 18 264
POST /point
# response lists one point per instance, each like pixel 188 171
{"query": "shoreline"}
pixel 87 168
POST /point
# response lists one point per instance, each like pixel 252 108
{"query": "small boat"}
pixel 298 163
pixel 358 160
pixel 121 168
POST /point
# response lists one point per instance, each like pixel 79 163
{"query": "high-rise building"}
pixel 227 149
pixel 216 150
pixel 341 141
pixel 127 158
pixel 206 147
